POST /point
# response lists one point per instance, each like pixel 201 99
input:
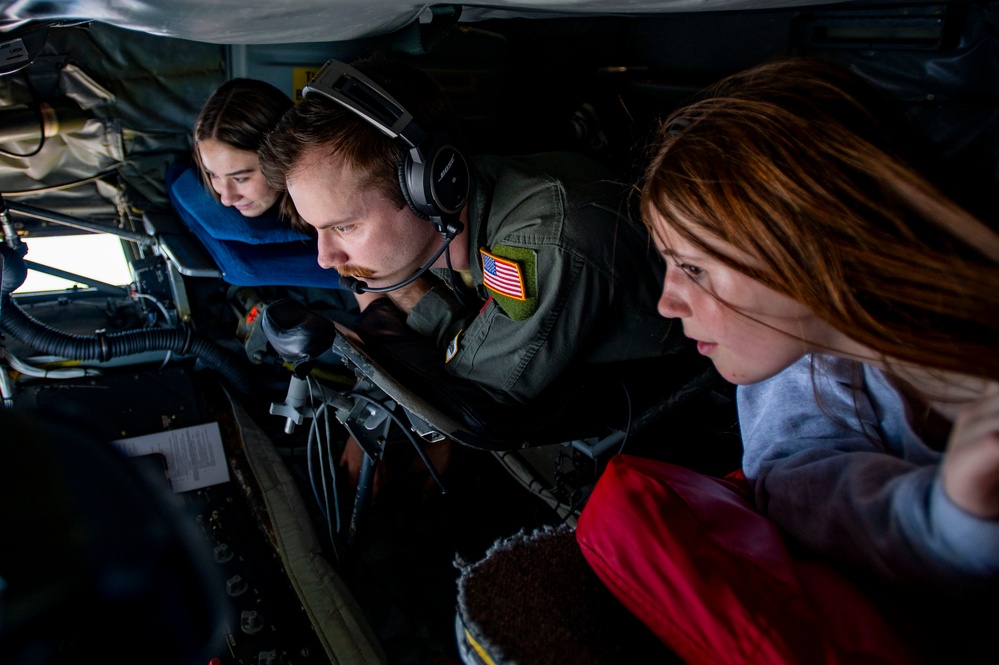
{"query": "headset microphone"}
pixel 357 286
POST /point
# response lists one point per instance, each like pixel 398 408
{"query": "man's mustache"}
pixel 354 271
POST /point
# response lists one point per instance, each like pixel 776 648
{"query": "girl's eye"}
pixel 692 271
pixel 240 181
pixel 345 229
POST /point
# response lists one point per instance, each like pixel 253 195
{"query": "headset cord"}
pixel 450 280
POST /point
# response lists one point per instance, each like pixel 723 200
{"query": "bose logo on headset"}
pixel 431 158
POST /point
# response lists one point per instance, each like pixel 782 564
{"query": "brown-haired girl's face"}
pixel 749 331
pixel 235 176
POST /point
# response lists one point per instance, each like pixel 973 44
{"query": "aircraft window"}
pixel 97 256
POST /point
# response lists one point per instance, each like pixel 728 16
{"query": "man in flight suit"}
pixel 543 273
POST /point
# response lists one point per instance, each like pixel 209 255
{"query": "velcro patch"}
pixel 510 274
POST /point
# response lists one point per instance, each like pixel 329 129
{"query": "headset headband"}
pixel 350 88
pixel 434 176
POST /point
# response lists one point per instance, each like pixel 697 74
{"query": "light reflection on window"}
pixel 97 256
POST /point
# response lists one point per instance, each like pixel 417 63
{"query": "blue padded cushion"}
pixel 223 223
pixel 289 259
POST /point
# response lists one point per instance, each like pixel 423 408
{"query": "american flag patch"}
pixel 502 276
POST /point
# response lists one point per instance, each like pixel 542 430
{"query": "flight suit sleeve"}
pixel 515 360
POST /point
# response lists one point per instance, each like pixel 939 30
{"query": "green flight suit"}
pixel 589 279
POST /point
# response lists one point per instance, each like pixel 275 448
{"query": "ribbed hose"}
pixel 103 347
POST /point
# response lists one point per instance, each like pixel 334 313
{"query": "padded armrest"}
pixel 190 198
pixel 179 246
pixel 245 251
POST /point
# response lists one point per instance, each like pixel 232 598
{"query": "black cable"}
pixel 71 183
pixel 324 502
pixel 40 336
pixel 452 284
pixel 409 435
pixel 41 124
pixel 627 428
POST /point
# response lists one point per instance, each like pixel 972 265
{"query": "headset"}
pixel 434 175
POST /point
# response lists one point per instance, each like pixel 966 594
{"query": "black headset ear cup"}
pixel 405 165
pixel 435 178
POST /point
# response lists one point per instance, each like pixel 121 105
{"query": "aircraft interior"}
pixel 218 527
